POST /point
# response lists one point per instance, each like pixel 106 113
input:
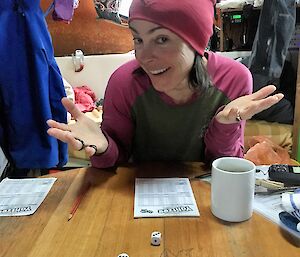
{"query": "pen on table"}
pixel 78 201
pixel 204 175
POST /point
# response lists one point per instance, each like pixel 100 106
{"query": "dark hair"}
pixel 199 78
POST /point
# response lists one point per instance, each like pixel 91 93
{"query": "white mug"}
pixel 232 188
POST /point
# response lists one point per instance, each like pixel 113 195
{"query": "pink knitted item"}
pixel 192 20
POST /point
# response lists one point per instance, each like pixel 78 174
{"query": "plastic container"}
pixel 78 60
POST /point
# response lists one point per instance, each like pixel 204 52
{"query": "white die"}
pixel 155 238
pixel 123 255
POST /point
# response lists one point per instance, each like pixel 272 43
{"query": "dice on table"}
pixel 123 255
pixel 155 238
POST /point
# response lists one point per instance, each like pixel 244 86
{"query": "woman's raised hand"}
pixel 83 134
pixel 244 107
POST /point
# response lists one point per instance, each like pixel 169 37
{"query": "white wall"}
pixel 96 72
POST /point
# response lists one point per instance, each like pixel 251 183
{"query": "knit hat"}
pixel 191 20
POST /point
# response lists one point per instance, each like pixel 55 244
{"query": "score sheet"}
pixel 164 197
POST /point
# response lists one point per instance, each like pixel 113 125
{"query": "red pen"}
pixel 78 201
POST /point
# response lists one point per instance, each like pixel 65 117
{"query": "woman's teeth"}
pixel 156 72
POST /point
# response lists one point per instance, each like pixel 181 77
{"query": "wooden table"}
pixel 104 225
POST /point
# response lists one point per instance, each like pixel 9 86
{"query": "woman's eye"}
pixel 162 40
pixel 137 41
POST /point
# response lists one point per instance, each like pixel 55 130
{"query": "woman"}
pixel 175 102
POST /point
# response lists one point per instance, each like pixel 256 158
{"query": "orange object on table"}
pixel 263 151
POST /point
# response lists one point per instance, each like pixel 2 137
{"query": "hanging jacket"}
pixel 31 87
pixel 275 29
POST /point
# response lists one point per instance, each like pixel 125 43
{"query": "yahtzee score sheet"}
pixel 164 197
pixel 19 197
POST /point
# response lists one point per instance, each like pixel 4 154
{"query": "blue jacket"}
pixel 31 87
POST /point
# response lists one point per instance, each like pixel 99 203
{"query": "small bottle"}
pixel 78 60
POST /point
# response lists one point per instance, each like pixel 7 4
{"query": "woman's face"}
pixel 165 57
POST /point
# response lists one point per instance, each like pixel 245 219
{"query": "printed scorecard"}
pixel 164 197
pixel 19 197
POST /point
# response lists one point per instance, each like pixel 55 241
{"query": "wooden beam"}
pixel 296 126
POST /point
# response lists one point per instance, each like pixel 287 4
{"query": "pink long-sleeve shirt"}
pixel 147 125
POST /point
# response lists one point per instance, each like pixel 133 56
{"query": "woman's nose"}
pixel 147 53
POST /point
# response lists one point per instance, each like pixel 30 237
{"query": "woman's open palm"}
pixel 80 135
pixel 247 106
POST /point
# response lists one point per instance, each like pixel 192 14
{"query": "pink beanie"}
pixel 192 20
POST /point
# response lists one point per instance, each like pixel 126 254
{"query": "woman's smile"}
pixel 158 72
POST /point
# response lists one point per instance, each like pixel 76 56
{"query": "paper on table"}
pixel 19 197
pixel 270 205
pixel 164 197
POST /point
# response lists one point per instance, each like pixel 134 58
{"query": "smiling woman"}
pixel 165 58
pixel 158 107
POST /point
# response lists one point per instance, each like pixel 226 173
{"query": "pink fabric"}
pixel 84 98
pixel 192 20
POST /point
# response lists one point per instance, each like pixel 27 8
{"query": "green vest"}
pixel 166 133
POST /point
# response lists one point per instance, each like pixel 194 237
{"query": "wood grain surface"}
pixel 103 224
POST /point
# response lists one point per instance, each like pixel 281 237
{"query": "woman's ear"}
pixel 204 60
